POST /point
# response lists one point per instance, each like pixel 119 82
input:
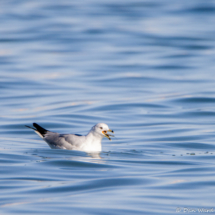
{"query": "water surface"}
pixel 146 68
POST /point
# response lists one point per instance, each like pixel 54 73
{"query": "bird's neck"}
pixel 94 136
pixel 94 141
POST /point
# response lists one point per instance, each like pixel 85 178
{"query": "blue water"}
pixel 144 67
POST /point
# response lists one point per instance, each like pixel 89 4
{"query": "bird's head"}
pixel 102 129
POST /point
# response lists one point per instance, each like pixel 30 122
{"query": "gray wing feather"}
pixel 63 141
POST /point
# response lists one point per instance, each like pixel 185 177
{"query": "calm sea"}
pixel 144 67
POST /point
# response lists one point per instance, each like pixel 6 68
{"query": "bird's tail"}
pixel 39 130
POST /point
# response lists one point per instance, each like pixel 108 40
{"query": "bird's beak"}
pixel 108 135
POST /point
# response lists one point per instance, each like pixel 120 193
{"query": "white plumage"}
pixel 89 143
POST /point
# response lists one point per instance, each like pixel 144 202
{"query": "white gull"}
pixel 89 143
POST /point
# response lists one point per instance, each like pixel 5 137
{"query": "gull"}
pixel 88 143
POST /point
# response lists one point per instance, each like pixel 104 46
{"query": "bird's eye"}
pixel 101 128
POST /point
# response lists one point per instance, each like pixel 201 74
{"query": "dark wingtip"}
pixel 40 129
pixel 30 127
pixel 35 124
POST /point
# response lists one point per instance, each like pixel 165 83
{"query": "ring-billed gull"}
pixel 89 143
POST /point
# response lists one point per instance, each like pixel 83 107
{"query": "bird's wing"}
pixel 63 141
